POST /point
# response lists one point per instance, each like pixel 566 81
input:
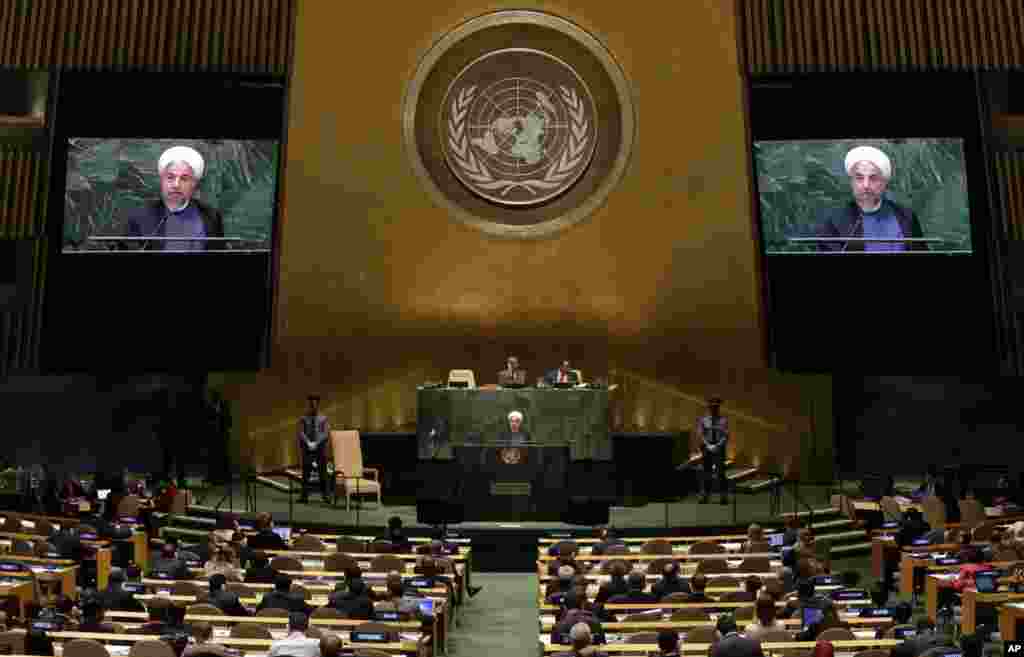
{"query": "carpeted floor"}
pixel 501 621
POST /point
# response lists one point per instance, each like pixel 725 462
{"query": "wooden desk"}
pixel 675 606
pixel 682 625
pixel 23 591
pixel 261 645
pixel 103 564
pixel 969 601
pixel 675 556
pixel 637 540
pixel 1009 615
pixel 703 648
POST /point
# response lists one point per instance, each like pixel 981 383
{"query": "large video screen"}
pixel 860 196
pixel 169 195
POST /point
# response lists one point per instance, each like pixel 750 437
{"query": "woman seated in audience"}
pixel 755 537
pixel 766 612
pixel 223 562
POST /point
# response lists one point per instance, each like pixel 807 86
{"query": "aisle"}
pixel 501 621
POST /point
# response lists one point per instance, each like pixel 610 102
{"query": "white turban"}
pixel 872 155
pixel 515 414
pixel 183 154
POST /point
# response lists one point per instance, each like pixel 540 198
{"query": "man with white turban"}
pixel 870 214
pixel 178 213
pixel 515 434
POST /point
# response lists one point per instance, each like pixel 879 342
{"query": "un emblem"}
pixel 520 123
pixel 511 456
pixel 520 139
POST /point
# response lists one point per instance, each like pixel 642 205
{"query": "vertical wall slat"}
pixel 918 54
pixel 1015 16
pixel 850 36
pixel 20 192
pixel 206 12
pixel 5 192
pixel 147 45
pixel 163 40
pixel 283 26
pixel 260 38
pixel 244 62
pixel 754 47
pixel 972 31
pixel 22 21
pixel 7 10
pixel 799 36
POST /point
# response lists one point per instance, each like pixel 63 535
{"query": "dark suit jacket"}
pixel 737 645
pixel 260 575
pixel 552 376
pixel 176 568
pixel 358 607
pixel 632 597
pixel 666 586
pixel 228 602
pixel 117 599
pixel 266 540
pixel 289 601
pixel 99 628
pixel 845 222
pixel 507 437
pixel 148 221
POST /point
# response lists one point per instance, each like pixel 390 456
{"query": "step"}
pixel 274 482
pixel 757 484
pixel 842 536
pixel 817 512
pixel 740 473
pixel 849 548
pixel 841 522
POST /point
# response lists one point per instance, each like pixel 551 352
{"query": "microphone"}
pixel 853 230
pixel 167 215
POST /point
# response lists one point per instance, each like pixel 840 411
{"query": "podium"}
pixel 513 482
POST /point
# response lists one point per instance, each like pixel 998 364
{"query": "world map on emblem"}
pixel 519 127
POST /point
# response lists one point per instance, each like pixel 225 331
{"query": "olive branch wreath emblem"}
pixel 474 167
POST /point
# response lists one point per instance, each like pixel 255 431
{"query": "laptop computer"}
pixel 904 632
pixel 369 637
pixel 810 615
pixel 284 532
pixel 776 540
pixel 427 608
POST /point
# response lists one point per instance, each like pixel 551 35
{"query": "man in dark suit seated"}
pixel 354 603
pixel 731 643
pixel 698 584
pixel 282 597
pixel 556 590
pixel 804 595
pixel 265 538
pixel 512 374
pixel 260 571
pixel 670 582
pixel 668 643
pixel 169 564
pixel 399 542
pixel 115 597
pixel 93 613
pixel 617 584
pixel 637 581
pixel 165 617
pixel 562 374
pixel 573 613
pixel 226 601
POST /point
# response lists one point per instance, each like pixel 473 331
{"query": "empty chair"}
pixel 563 548
pixel 756 565
pixel 151 649
pixel 690 614
pixel 81 648
pixel 701 635
pixel 204 609
pixel 462 378
pixel 308 543
pixel 706 547
pixel 713 566
pixel 285 563
pixel 250 631
pixel 273 612
pixel 385 563
pixel 642 637
pixel 12 643
pixel 657 546
pixel 326 612
pixel 338 562
pixel 351 477
pixel 837 634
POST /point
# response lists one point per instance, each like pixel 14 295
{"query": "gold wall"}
pixel 380 290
